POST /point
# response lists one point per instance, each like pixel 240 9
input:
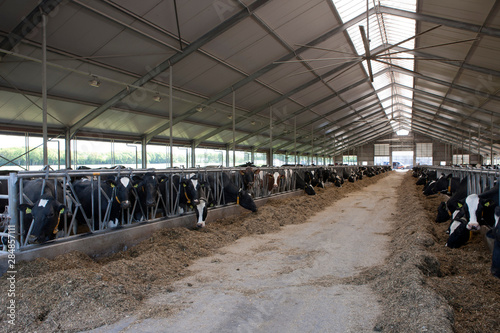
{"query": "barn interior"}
pixel 310 82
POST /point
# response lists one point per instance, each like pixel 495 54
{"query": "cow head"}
pixel 189 190
pixel 148 186
pixel 248 176
pixel 459 234
pixel 46 214
pixel 309 189
pixel 442 215
pixel 473 209
pixel 122 187
pixel 245 200
pixel 201 210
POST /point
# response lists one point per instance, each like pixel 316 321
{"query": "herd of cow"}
pixel 93 200
pixel 466 212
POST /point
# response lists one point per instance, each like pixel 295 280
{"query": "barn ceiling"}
pixel 311 76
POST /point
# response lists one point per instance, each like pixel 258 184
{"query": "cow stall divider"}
pixel 267 182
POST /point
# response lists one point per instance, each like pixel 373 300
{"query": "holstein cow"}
pixel 459 234
pixel 114 195
pixel 426 177
pixel 204 195
pixel 301 184
pixel 444 184
pixel 495 234
pixel 248 177
pixel 184 191
pixel 44 211
pixel 476 210
pixel 452 204
pixel 146 187
pixel 479 209
pixel 231 192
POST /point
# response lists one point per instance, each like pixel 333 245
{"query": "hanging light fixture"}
pixel 157 97
pixel 94 82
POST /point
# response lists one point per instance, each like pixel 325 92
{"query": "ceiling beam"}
pixel 218 30
pixel 273 102
pixel 28 24
pixel 448 61
pixel 260 72
pixel 489 31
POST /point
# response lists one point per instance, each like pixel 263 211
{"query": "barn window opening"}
pixel 423 154
pixel 461 159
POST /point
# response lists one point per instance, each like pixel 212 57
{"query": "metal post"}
pixel 234 128
pixel 27 149
pixel 193 154
pixel 170 115
pixel 44 89
pixel 144 153
pixel 270 136
pixel 491 142
pixel 479 145
pixel 14 203
pixel 295 138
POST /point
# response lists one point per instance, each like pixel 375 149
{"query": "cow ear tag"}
pixel 459 205
pixel 61 211
pixel 184 185
pixel 136 185
pixel 112 185
pixel 28 210
pixel 487 204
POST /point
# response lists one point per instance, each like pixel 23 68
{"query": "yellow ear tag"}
pixel 136 185
pixel 487 204
pixel 28 210
pixel 459 205
pixel 184 185
pixel 112 185
pixel 61 211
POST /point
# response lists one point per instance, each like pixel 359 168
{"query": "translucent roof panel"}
pixel 349 9
pixel 383 31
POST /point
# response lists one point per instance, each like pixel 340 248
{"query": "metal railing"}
pixel 167 205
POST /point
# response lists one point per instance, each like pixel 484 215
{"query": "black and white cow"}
pixel 476 210
pixel 44 210
pixel 426 176
pixel 231 193
pixel 301 184
pixel 114 195
pixel 443 184
pixel 204 198
pixel 183 190
pixel 146 188
pixel 495 234
pixel 248 177
pixel 459 235
pixel 459 194
pixel 479 209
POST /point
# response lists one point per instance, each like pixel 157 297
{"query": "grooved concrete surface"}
pixel 296 280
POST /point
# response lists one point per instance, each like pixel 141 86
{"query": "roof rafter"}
pixel 224 26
